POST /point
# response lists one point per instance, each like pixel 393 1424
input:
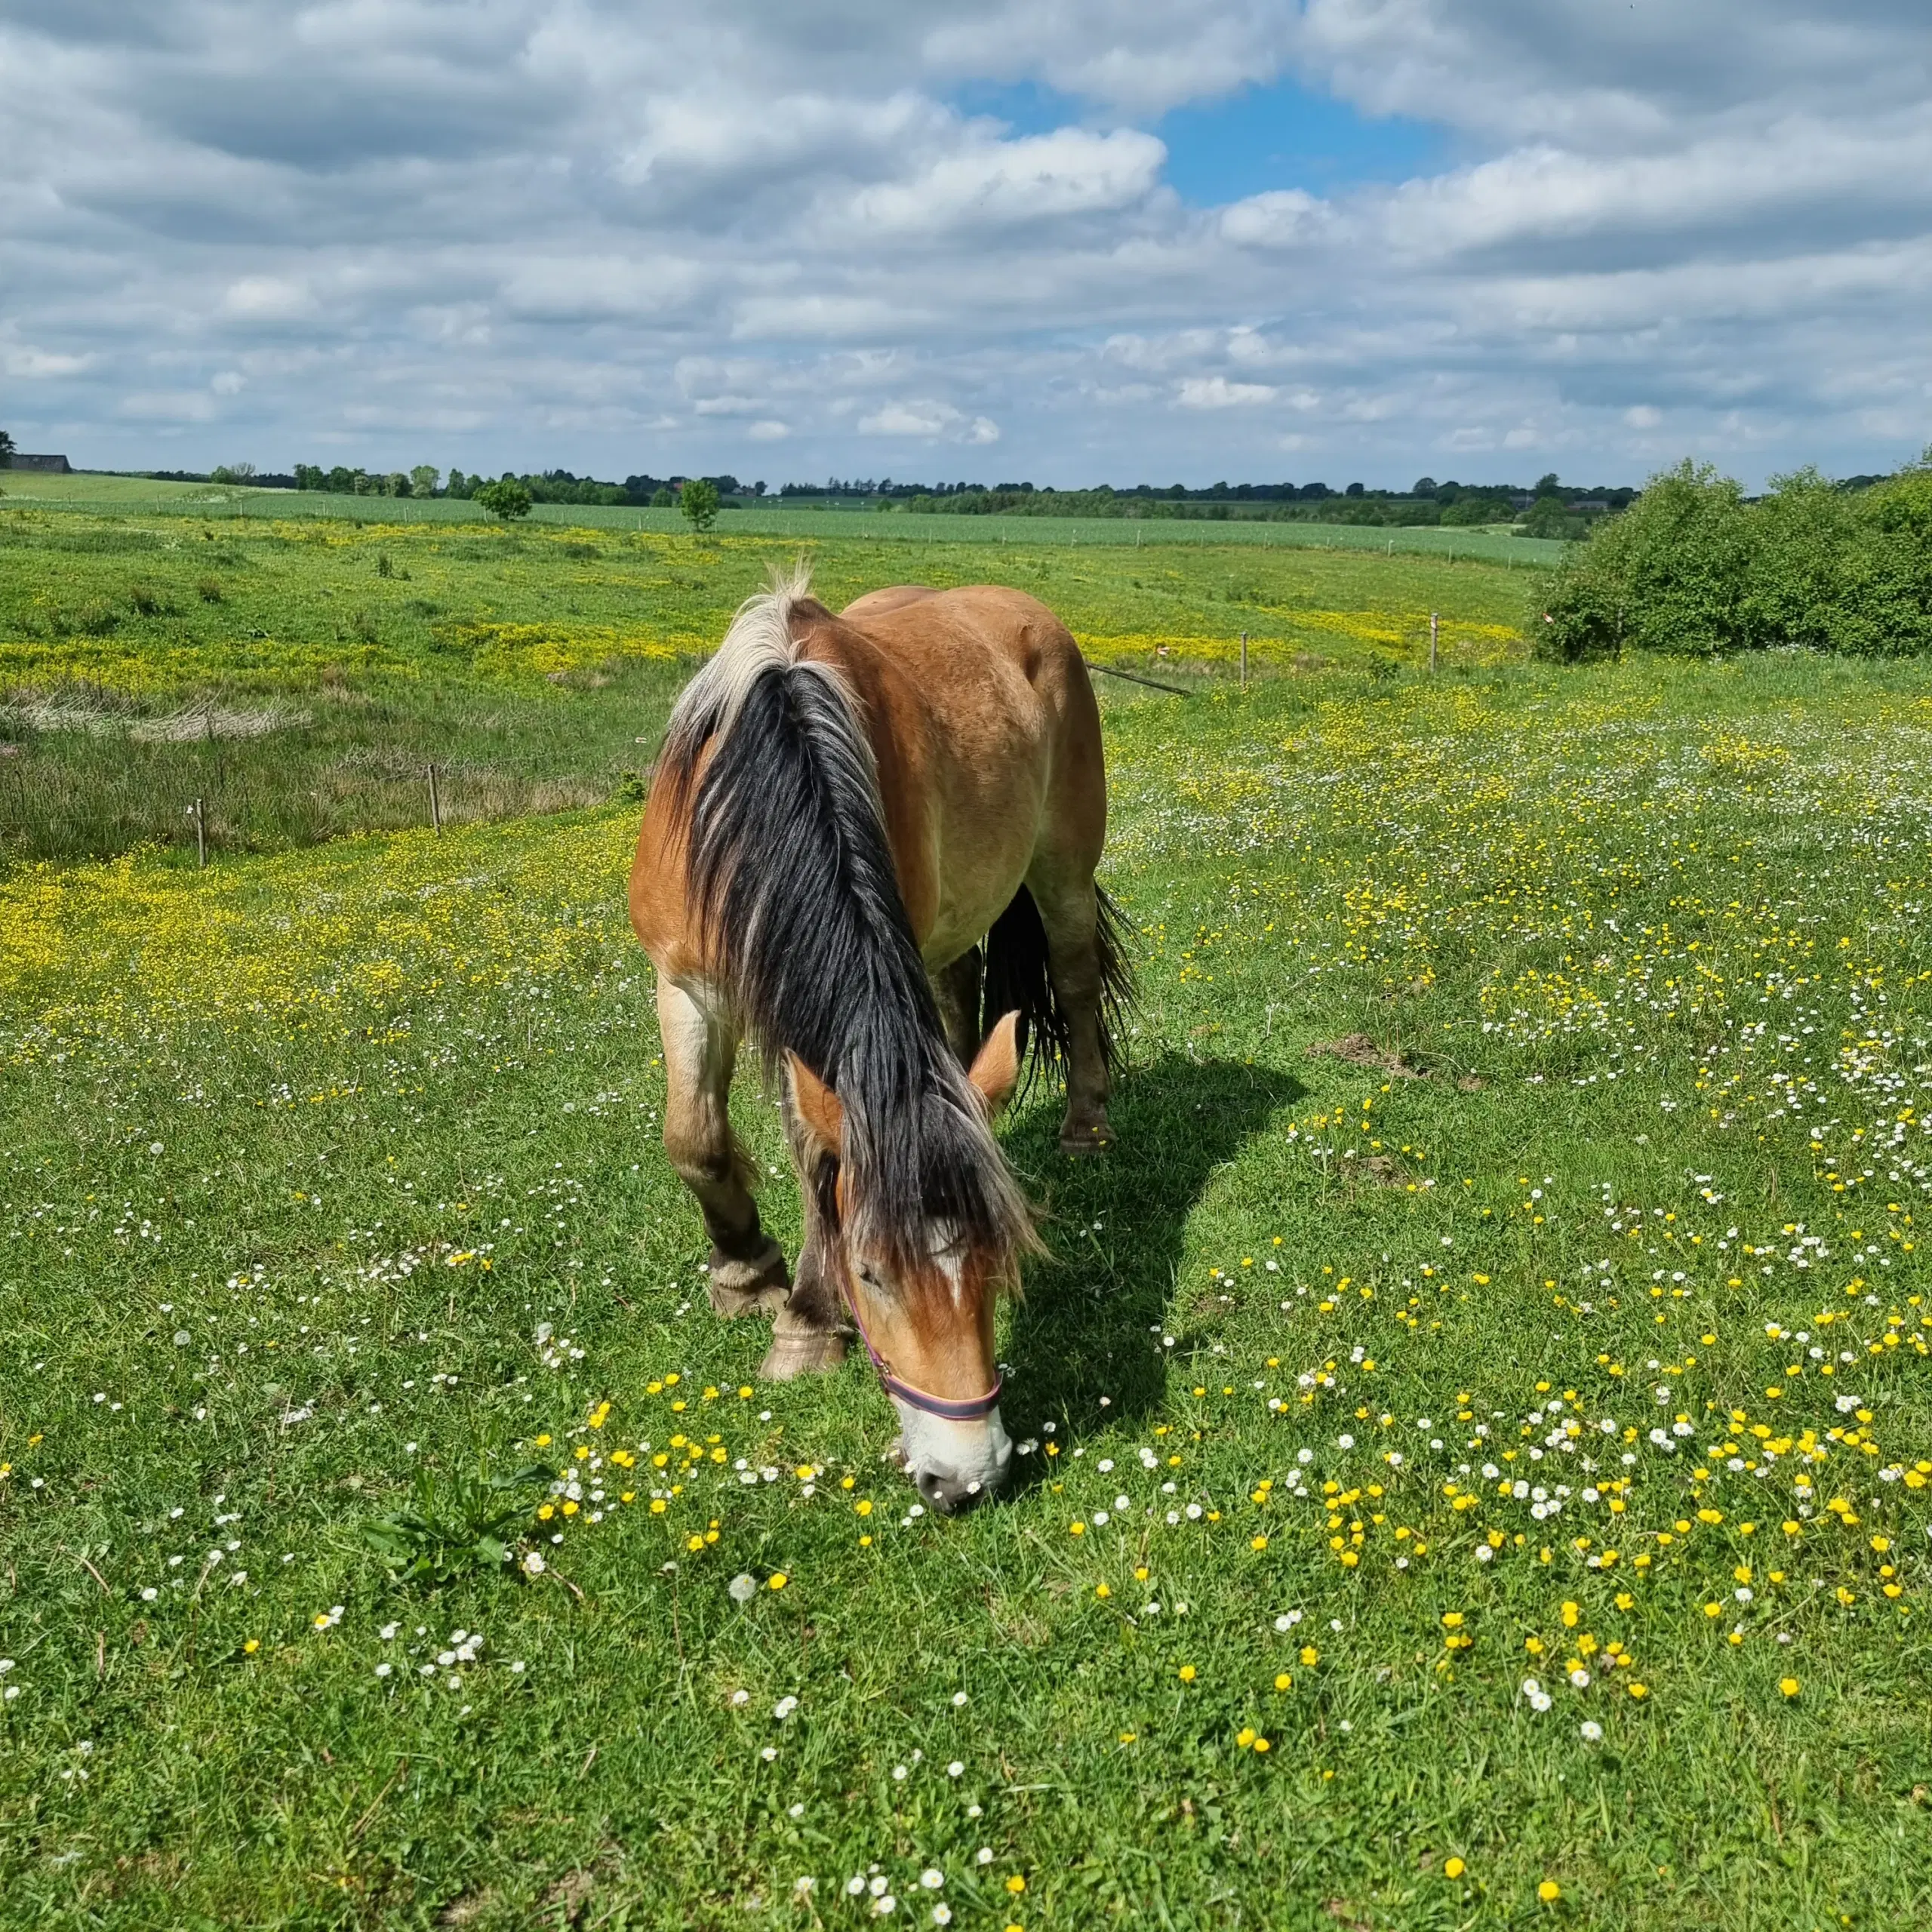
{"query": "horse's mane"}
pixel 791 882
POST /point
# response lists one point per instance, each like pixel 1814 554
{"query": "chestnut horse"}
pixel 870 844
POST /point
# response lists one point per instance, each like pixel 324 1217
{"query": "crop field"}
pixel 1477 1423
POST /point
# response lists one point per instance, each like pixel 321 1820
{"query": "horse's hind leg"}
pixel 1069 910
pixel 747 1265
pixel 956 989
pixel 809 1334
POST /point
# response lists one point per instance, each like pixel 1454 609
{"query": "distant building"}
pixel 1590 505
pixel 57 466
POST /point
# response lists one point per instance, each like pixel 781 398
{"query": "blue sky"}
pixel 1072 240
pixel 1278 133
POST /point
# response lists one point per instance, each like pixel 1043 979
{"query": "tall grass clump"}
pixel 1695 569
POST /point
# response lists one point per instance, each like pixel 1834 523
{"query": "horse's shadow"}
pixel 1094 1317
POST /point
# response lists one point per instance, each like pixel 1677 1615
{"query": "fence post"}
pixel 1244 660
pixel 435 803
pixel 1434 621
pixel 200 817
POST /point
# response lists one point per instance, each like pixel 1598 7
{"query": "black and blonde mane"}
pixel 792 881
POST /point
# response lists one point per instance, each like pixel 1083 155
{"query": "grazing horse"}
pixel 870 844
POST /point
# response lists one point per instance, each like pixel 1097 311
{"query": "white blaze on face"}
pixel 961 1453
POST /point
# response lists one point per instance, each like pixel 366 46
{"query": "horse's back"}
pixel 950 637
pixel 1013 766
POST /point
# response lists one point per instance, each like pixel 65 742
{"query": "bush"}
pixel 698 499
pixel 1692 570
pixel 504 499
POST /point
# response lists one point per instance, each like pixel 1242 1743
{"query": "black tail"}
pixel 1017 980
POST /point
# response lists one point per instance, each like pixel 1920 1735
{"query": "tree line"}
pixel 1694 567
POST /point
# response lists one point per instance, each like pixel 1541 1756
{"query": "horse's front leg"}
pixel 809 1334
pixel 700 1047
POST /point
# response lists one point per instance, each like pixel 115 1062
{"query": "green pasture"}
pixel 299 675
pixel 1511 1268
pixel 238 503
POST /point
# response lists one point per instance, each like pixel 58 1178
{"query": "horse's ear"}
pixel 817 1107
pixel 995 1068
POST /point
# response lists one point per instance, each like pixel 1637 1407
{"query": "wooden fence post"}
pixel 435 803
pixel 1434 621
pixel 1244 660
pixel 200 817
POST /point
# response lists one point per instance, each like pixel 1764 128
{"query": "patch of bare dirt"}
pixel 1358 1050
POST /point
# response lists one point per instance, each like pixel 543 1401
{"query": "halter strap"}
pixel 972 1409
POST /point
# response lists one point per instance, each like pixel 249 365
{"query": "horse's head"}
pixel 922 1281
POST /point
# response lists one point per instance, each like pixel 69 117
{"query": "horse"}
pixel 869 844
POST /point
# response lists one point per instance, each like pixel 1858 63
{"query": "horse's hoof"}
pixel 802 1352
pixel 1079 1140
pixel 757 1286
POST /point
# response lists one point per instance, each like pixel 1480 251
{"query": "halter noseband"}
pixel 971 1410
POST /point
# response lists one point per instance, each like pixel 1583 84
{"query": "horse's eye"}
pixel 868 1275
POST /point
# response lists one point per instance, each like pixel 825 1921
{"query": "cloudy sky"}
pixel 1057 239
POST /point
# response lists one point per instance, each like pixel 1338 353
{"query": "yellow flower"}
pixel 1187 1673
pixel 1639 1691
pixel 1789 1685
pixel 1257 1542
pixel 862 1507
pixel 1550 1891
pixel 1016 1883
pixel 1453 1868
pixel 1283 1681
pixel 1310 1656
pixel 778 1580
pixel 1245 1735
pixel 1452 1619
pixel 542 1441
pixel 1101 1590
pixel 1260 1744
pixel 1076 1529
pixel 254 1644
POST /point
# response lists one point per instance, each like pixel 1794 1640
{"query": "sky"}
pixel 1065 241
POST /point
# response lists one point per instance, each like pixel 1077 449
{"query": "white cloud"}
pixel 995 183
pixel 269 298
pixel 581 232
pixel 1217 392
pixel 909 419
pixel 37 365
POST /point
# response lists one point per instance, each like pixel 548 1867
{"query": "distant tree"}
pixel 661 498
pixel 1548 486
pixel 504 499
pixel 6 448
pixel 1425 486
pixel 309 476
pixel 1353 490
pixel 699 502
pixel 423 480
pixel 460 486
pixel 231 472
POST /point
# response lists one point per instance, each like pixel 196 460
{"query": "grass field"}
pixel 300 675
pixel 1478 1420
pixel 230 504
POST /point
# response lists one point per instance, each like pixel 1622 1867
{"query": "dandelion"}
pixel 1453 1868
pixel 1016 1884
pixel 742 1588
pixel 1789 1685
pixel 1187 1673
pixel 1550 1891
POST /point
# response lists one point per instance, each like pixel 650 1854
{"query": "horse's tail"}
pixel 1017 980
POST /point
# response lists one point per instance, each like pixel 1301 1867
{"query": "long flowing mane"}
pixel 791 880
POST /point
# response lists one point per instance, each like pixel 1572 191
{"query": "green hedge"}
pixel 1693 569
